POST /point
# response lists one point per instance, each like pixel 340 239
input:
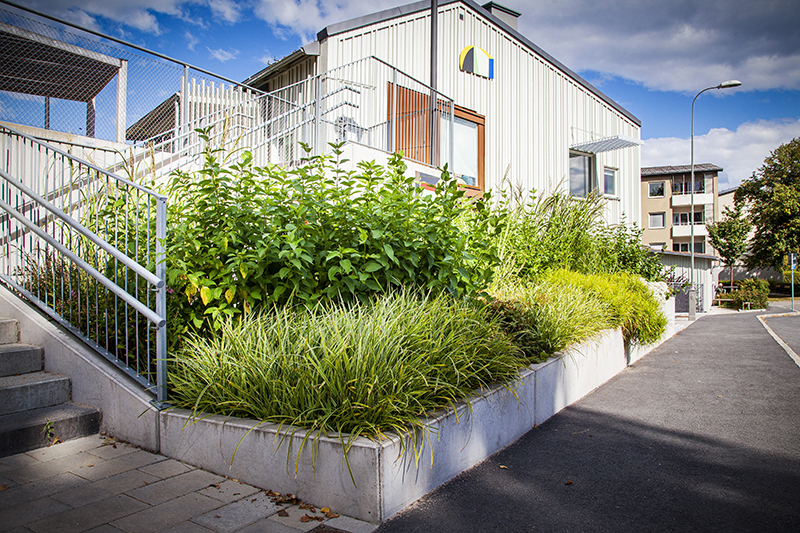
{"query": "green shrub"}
pixel 754 290
pixel 563 232
pixel 633 306
pixel 545 318
pixel 361 369
pixel 754 284
pixel 242 237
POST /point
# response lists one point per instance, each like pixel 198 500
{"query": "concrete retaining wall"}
pixel 386 478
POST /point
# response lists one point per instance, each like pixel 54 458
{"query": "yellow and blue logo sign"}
pixel 477 61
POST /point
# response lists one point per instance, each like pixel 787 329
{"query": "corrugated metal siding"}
pixel 533 111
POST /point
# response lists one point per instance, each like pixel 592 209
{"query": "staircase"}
pixel 35 406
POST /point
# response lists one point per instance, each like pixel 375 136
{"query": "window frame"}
pixel 590 181
pixel 650 189
pixel 614 172
pixel 663 215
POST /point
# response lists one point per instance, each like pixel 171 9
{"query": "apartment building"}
pixel 667 217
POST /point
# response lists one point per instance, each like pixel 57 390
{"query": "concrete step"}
pixel 9 331
pixel 29 430
pixel 20 359
pixel 32 391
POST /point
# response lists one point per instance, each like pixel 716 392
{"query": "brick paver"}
pixel 97 485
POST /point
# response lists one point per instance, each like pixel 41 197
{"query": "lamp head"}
pixel 729 84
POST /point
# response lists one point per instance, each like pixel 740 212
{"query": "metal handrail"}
pixel 55 228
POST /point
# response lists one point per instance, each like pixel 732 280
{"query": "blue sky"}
pixel 651 56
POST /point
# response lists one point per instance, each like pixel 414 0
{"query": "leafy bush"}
pixel 243 237
pixel 755 291
pixel 352 368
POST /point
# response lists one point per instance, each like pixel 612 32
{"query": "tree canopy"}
pixel 772 196
pixel 728 236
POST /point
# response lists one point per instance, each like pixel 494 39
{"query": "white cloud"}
pixel 191 41
pixel 267 58
pixel 228 10
pixel 223 55
pixel 739 152
pixel 680 45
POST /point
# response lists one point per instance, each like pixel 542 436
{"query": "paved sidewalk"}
pixel 703 434
pixel 99 485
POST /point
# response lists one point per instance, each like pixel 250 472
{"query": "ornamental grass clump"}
pixel 352 369
pixel 544 318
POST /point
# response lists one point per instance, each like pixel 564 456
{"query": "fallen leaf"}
pixel 215 485
pixel 283 513
pixel 331 515
pixel 305 506
pixel 236 480
pixel 568 483
pixel 719 396
pixel 305 518
pixel 89 466
pixel 3 487
pixel 504 467
pixel 217 516
pixel 325 510
pixel 236 493
pixel 254 499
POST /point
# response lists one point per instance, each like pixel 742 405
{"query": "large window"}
pixel 581 175
pixel 468 142
pixel 610 181
pixel 682 219
pixel 657 220
pixel 656 189
pixel 699 247
pixel 683 184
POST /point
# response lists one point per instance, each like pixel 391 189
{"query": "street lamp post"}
pixel 692 292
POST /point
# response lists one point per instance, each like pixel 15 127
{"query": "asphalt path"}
pixel 703 434
pixel 787 327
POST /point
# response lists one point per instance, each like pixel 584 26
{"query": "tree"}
pixel 772 196
pixel 728 236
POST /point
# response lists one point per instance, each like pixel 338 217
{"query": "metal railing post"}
pixel 318 117
pixel 161 299
pixel 393 117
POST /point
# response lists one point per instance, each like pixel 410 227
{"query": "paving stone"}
pixel 100 490
pixel 21 494
pixel 293 520
pixel 39 470
pixel 18 515
pixel 12 462
pixel 167 514
pixel 165 469
pixel 188 527
pixel 105 528
pixel 171 488
pixel 66 448
pixel 229 491
pixel 110 449
pixel 268 525
pixel 89 516
pixel 237 515
pixel 103 469
pixel 351 525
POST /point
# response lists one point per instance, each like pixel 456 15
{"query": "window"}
pixel 699 247
pixel 656 189
pixel 610 181
pixel 657 220
pixel 410 131
pixel 683 184
pixel 581 175
pixel 682 219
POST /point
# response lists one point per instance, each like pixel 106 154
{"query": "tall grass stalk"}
pixel 349 369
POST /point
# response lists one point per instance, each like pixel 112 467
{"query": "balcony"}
pixel 680 200
pixel 686 230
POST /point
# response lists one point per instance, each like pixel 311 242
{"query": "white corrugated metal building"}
pixel 527 116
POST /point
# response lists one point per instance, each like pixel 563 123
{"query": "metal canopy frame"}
pixel 617 142
pixel 34 64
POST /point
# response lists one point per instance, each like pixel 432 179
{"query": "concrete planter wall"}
pixel 386 479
